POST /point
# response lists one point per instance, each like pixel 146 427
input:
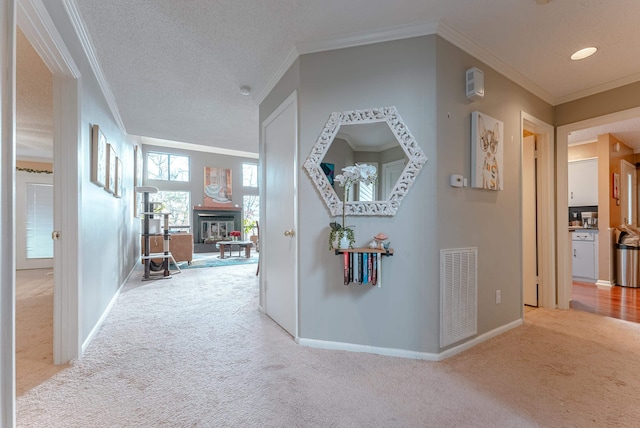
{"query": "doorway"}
pixel 605 242
pixel 529 220
pixel 538 213
pixel 279 152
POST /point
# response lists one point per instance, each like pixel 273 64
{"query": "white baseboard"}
pixel 479 339
pixel 605 283
pixel 105 313
pixel 404 353
pixel 352 347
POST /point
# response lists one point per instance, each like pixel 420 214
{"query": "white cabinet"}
pixel 585 255
pixel 583 183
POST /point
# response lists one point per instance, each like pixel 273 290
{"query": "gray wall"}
pixel 108 230
pixel 424 78
pixel 400 313
pixel 488 220
pixel 403 313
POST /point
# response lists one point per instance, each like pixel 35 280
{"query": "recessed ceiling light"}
pixel 584 53
pixel 245 90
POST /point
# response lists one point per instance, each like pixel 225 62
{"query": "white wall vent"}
pixel 458 294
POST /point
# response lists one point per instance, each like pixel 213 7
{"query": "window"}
pixel 250 175
pixel 168 167
pixel 177 205
pixel 39 221
pixel 251 210
pixel 366 192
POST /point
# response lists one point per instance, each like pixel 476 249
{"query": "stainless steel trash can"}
pixel 627 265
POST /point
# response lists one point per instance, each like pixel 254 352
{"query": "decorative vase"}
pixel 344 240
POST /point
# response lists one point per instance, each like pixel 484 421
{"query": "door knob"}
pixel 290 233
pixel 55 235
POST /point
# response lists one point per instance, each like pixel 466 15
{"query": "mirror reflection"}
pixel 370 143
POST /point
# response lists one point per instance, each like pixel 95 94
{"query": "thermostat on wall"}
pixel 457 180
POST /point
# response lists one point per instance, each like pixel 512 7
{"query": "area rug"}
pixel 202 260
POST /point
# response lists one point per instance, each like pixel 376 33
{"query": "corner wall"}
pixel 404 313
pixel 424 78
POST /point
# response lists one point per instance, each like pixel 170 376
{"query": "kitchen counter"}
pixel 585 229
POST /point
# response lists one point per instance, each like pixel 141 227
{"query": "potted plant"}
pixel 235 234
pixel 358 173
pixel 249 226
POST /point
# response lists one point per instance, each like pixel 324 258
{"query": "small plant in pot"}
pixel 359 173
pixel 340 237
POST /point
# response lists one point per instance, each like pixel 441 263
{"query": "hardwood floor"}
pixel 615 302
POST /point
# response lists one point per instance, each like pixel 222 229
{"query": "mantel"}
pixel 220 208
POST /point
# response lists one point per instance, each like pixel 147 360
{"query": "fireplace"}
pixel 213 224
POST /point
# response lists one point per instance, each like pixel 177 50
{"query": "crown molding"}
pixel 481 54
pixel 351 40
pixel 85 40
pixel 39 29
pixel 600 88
pixel 407 31
pixel 359 39
pixel 280 71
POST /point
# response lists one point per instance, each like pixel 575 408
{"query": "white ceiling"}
pixel 175 68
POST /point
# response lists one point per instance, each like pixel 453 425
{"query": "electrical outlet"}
pixel 498 296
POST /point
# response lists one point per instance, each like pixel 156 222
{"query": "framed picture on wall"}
pixel 487 143
pixel 217 187
pixel 119 173
pixel 137 179
pixel 111 169
pixel 98 157
pixel 616 185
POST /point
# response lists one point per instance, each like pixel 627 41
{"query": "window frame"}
pixel 169 156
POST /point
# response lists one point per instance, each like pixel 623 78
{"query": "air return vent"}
pixel 458 294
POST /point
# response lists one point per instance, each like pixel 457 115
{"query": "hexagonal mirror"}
pixel 375 137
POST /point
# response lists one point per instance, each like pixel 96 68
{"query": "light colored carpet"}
pixel 194 351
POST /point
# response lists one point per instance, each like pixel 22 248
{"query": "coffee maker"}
pixel 589 219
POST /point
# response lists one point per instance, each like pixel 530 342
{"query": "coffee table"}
pixel 228 245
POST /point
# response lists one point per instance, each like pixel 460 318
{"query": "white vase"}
pixel 344 240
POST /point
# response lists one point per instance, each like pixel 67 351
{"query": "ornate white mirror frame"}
pixel 415 155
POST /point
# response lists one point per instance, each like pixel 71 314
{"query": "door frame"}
pixel 265 231
pixel 563 238
pixel 68 153
pixel 546 208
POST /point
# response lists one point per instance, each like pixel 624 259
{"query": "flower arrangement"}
pixel 235 234
pixel 358 173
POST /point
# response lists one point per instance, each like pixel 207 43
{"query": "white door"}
pixel 628 192
pixel 390 173
pixel 529 220
pixel 280 249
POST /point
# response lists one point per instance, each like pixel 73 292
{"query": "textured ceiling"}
pixel 175 67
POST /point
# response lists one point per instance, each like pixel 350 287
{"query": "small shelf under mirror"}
pixel 363 266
